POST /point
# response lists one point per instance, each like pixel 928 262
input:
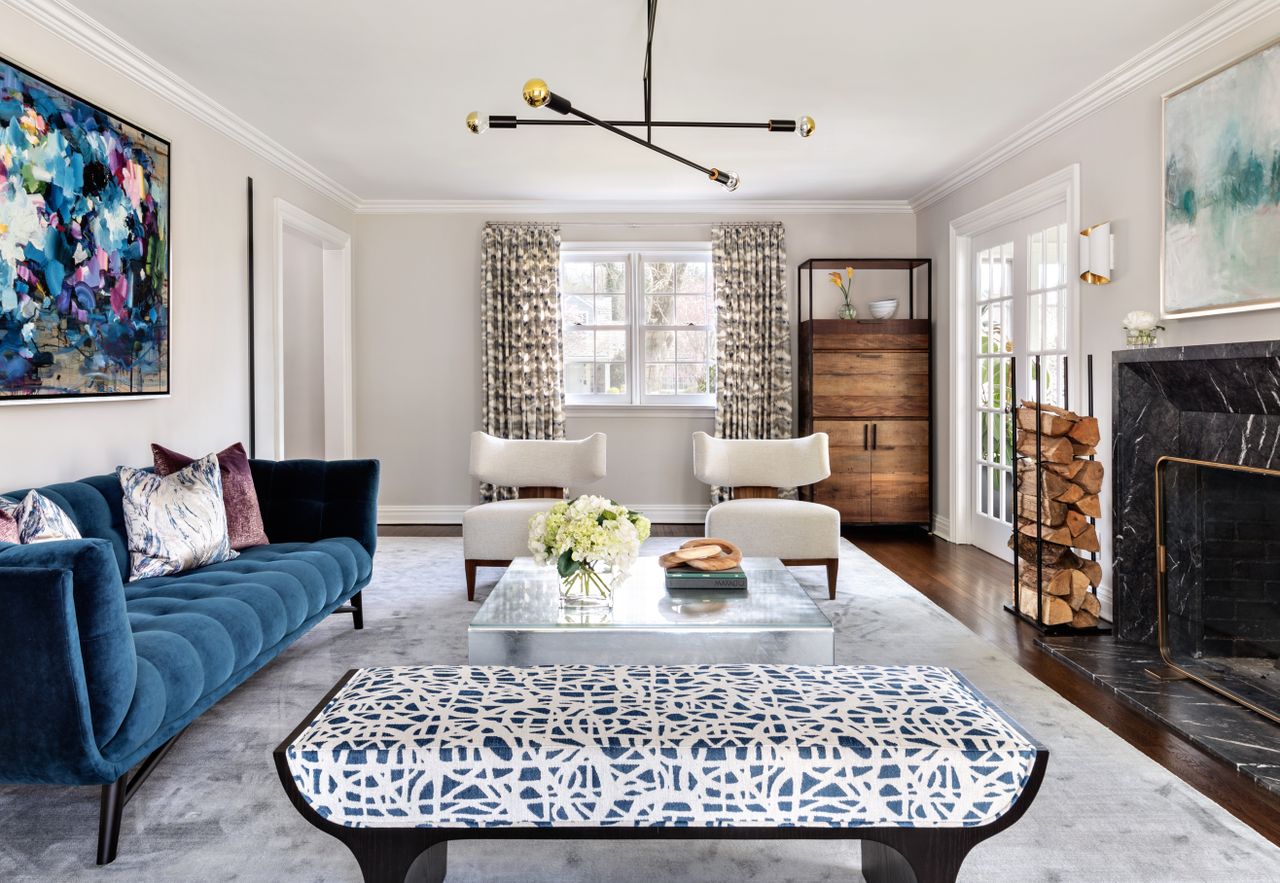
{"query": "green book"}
pixel 685 577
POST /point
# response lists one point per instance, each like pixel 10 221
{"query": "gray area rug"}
pixel 214 809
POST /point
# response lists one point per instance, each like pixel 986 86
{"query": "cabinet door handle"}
pixel 866 427
pixel 873 436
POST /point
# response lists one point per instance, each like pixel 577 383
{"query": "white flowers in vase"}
pixel 1140 329
pixel 593 543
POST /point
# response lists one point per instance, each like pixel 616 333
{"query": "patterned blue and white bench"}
pixel 911 760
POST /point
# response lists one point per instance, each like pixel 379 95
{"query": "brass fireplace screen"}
pixel 1218 577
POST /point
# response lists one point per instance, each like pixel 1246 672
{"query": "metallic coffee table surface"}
pixel 774 620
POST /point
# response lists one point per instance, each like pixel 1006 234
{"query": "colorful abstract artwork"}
pixel 1222 190
pixel 84 248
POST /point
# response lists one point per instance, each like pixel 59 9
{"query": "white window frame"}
pixel 635 402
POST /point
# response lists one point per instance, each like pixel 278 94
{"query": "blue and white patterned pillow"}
pixel 40 520
pixel 174 522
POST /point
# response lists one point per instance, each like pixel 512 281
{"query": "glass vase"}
pixel 1140 340
pixel 848 311
pixel 588 589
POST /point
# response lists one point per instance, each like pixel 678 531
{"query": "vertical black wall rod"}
pixel 253 356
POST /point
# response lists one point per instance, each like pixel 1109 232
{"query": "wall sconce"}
pixel 1097 254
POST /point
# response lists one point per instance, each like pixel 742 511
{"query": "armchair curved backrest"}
pixel 775 463
pixel 537 463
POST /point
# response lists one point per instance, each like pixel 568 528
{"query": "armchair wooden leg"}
pixel 473 563
pixel 832 565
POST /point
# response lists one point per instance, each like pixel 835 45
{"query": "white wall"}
pixel 208 408
pixel 417 344
pixel 304 355
pixel 1119 153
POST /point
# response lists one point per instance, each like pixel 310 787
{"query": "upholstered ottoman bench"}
pixel 396 762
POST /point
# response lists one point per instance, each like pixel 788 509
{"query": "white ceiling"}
pixel 374 94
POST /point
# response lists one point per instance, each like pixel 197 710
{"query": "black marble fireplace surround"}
pixel 1220 403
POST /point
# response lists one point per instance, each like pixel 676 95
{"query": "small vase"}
pixel 1140 340
pixel 848 311
pixel 588 590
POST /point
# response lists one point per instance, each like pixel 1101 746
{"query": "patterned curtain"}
pixel 520 336
pixel 753 336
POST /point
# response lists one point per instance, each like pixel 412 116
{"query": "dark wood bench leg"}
pixel 833 573
pixel 916 856
pixel 386 855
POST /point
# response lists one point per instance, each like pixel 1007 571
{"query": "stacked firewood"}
pixel 1062 525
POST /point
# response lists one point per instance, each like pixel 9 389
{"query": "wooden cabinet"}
pixel 867 385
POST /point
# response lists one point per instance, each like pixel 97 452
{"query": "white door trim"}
pixel 1060 188
pixel 339 420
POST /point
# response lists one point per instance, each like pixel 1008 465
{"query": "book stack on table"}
pixel 685 577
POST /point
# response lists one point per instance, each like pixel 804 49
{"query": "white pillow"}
pixel 40 520
pixel 174 522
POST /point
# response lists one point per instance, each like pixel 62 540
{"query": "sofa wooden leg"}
pixel 833 572
pixel 109 816
pixel 357 610
pixel 471 566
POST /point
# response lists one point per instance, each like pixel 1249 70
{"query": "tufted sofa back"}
pixel 96 506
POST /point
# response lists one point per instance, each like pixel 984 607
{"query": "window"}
pixel 638 325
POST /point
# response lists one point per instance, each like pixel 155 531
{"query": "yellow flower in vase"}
pixel 845 284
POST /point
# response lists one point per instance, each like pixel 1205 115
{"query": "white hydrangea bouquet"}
pixel 593 542
pixel 1141 330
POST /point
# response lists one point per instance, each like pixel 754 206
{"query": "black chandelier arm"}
pixel 610 127
pixel 504 122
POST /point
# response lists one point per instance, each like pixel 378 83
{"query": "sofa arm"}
pixel 309 500
pixel 66 644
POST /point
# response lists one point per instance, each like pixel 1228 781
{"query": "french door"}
pixel 1019 311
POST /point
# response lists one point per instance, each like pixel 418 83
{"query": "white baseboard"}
pixel 421 514
pixel 658 513
pixel 942 527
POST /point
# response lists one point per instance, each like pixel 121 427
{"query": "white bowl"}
pixel 883 309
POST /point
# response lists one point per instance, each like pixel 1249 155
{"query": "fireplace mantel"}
pixel 1217 402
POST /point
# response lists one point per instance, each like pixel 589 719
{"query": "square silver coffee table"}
pixel 773 620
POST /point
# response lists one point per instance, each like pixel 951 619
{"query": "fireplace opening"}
pixel 1218 585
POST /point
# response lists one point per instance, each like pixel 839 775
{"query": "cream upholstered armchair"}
pixel 755 519
pixel 495 533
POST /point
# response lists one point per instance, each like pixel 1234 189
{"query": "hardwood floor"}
pixel 972 586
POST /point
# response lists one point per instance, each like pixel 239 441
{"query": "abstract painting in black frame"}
pixel 84 248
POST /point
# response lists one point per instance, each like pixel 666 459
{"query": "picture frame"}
pixel 85 248
pixel 1220 194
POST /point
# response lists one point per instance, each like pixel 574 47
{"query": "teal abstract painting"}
pixel 1222 190
pixel 84 248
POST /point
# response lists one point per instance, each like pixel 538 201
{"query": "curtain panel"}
pixel 753 334
pixel 520 334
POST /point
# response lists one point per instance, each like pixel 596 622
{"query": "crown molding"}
pixel 64 20
pixel 1217 24
pixel 681 207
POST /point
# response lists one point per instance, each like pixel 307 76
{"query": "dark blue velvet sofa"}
pixel 103 674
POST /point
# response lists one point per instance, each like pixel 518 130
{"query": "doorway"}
pixel 312 318
pixel 1014 303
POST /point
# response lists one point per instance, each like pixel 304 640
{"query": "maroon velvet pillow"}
pixel 244 518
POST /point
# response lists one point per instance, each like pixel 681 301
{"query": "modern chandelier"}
pixel 536 93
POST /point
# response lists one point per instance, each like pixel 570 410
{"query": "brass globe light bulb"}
pixel 805 126
pixel 536 93
pixel 474 124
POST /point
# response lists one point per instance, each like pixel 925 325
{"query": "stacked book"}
pixel 686 577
